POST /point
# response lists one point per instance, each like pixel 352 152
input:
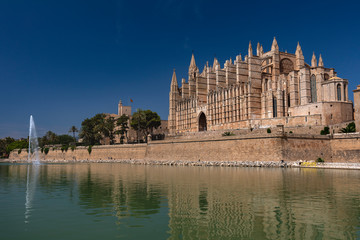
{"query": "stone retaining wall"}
pixel 270 147
pixel 104 152
pixel 305 147
pixel 221 149
pixel 345 148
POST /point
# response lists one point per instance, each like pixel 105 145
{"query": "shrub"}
pixel 228 134
pixel 42 149
pixel 320 160
pixel 90 149
pixel 73 147
pixel 19 151
pixel 268 130
pixel 325 131
pixel 46 150
pixel 64 148
pixel 349 128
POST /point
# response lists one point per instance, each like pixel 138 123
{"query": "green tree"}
pixel 122 122
pixel 18 144
pixel 106 127
pixel 64 139
pixel 96 128
pixel 145 121
pixel 91 129
pixel 51 138
pixel 109 130
pixel 349 128
pixel 73 130
pixel 4 143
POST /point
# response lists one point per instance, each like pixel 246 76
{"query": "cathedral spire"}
pixel 174 82
pixel 313 60
pixel 204 71
pixel 192 62
pixel 261 50
pixel 274 46
pixel 216 63
pixel 250 50
pixel 321 63
pixel 298 51
pixel 299 57
pixel 258 52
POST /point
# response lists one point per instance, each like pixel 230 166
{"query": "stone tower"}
pixel 174 97
pixel 254 76
pixel 123 109
pixel 357 108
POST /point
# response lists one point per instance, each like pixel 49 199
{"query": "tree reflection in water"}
pixel 205 202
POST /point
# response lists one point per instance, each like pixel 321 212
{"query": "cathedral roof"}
pixel 335 78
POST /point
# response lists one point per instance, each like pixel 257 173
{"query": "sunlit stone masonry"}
pixel 263 90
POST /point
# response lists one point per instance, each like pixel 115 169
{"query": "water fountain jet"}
pixel 33 153
pixel 32 170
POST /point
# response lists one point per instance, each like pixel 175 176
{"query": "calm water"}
pixel 119 201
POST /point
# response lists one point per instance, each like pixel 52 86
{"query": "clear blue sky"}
pixel 64 61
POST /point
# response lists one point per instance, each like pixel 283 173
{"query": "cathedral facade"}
pixel 263 90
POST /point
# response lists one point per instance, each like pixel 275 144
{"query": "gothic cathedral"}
pixel 263 90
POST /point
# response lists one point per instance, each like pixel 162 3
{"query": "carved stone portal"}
pixel 202 122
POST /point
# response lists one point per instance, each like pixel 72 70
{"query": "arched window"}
pixel 288 100
pixel 338 90
pixel 266 85
pixel 326 76
pixel 313 88
pixel 286 66
pixel 274 107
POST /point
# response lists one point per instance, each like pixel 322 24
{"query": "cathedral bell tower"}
pixel 193 74
pixel 174 97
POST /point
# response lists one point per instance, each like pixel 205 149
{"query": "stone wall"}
pixel 306 147
pixel 221 149
pixel 130 151
pixel 330 113
pixel 346 147
pixel 275 146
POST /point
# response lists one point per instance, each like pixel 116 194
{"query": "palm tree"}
pixel 349 128
pixel 73 129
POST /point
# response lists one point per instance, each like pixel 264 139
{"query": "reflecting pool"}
pixel 121 201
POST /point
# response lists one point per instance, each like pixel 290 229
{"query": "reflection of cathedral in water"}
pixel 253 205
pixel 216 203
